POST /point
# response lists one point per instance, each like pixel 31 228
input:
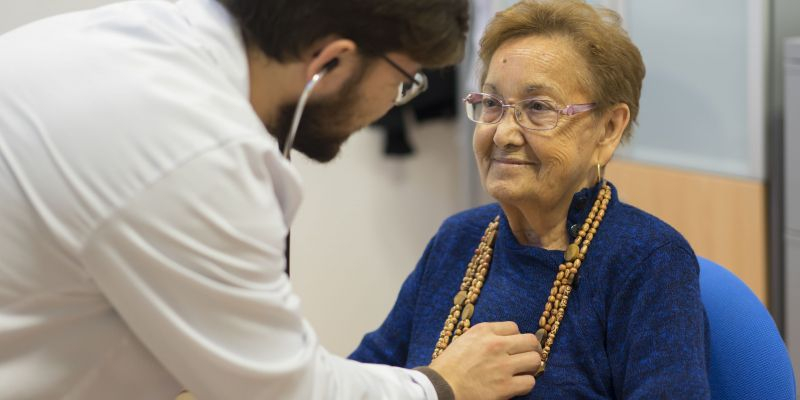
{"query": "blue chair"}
pixel 748 357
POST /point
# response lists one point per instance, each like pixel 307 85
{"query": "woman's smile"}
pixel 511 161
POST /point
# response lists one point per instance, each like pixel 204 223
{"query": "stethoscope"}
pixel 298 113
pixel 301 105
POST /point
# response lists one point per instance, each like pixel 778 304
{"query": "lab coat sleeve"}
pixel 194 265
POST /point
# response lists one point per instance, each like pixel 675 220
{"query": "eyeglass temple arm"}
pixel 402 71
pixel 573 109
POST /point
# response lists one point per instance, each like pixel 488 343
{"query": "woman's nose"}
pixel 508 132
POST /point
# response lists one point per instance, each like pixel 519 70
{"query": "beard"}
pixel 325 124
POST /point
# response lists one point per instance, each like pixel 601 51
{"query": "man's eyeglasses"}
pixel 415 85
pixel 534 114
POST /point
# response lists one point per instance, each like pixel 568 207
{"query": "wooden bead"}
pixel 542 321
pixel 468 310
pixel 571 253
pixel 460 297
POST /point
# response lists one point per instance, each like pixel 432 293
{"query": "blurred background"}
pixel 716 154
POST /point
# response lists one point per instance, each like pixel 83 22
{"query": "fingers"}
pixel 525 363
pixel 521 385
pixel 522 343
pixel 504 328
pixel 538 347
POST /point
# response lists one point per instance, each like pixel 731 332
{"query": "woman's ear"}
pixel 614 120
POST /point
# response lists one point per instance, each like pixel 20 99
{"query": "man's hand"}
pixel 491 361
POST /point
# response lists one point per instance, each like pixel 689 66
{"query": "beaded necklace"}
pixel 458 322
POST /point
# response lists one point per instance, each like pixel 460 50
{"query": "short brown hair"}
pixel 432 32
pixel 615 65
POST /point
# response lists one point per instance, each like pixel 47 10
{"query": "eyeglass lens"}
pixel 532 113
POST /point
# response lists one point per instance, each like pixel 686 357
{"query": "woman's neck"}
pixel 530 230
pixel 537 225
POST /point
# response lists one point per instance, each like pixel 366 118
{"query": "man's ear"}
pixel 614 121
pixel 338 58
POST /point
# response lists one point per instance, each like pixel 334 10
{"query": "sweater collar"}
pixel 580 206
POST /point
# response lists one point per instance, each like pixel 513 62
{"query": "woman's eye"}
pixel 537 105
pixel 490 103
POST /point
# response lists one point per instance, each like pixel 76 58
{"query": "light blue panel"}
pixel 696 109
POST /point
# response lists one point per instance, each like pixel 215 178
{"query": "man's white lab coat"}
pixel 143 213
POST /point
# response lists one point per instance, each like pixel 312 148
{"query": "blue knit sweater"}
pixel 635 327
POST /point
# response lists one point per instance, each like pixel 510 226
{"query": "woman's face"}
pixel 540 168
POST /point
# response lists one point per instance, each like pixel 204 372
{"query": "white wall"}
pixel 364 222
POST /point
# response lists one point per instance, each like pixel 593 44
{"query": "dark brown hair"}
pixel 432 32
pixel 615 65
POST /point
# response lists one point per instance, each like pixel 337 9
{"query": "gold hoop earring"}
pixel 600 178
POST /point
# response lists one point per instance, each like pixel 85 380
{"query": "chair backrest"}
pixel 748 357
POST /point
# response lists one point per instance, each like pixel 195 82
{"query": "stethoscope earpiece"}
pixel 330 65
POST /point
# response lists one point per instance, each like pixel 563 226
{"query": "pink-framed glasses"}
pixel 534 114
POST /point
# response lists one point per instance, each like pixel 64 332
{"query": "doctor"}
pixel 146 202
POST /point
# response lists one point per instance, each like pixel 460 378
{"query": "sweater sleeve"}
pixel 657 329
pixel 389 343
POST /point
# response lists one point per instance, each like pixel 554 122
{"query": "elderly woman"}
pixel 611 291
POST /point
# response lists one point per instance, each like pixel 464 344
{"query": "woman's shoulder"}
pixel 634 225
